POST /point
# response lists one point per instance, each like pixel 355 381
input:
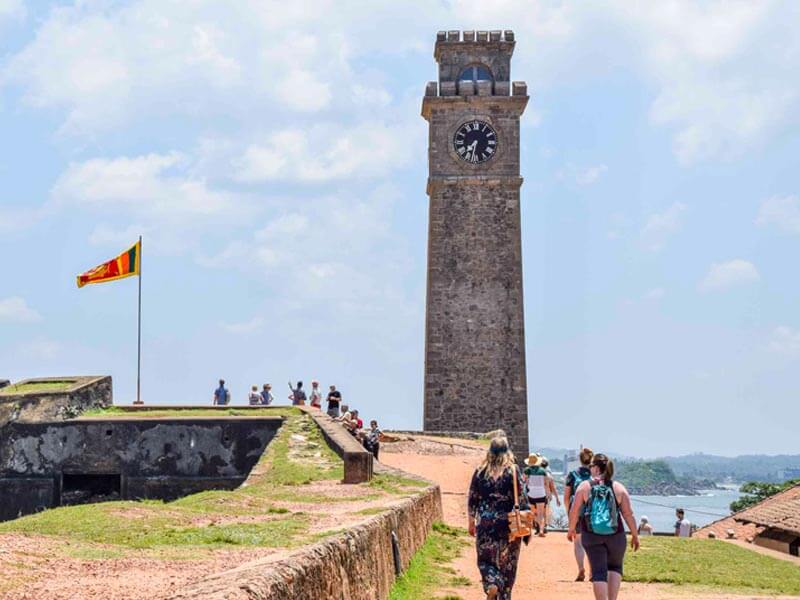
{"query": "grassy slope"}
pixel 30 388
pixel 710 563
pixel 155 524
pixel 115 411
pixel 428 570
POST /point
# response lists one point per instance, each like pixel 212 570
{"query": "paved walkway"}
pixel 547 567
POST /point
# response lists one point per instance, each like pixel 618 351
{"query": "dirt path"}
pixel 547 567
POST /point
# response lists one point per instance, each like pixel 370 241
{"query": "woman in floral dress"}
pixel 491 498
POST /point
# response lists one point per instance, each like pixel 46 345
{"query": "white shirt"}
pixel 684 528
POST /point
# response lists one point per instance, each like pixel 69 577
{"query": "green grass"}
pixel 119 411
pixel 428 570
pixel 399 486
pixel 156 525
pixel 37 387
pixel 710 563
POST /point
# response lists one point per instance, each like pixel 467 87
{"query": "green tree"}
pixel 756 491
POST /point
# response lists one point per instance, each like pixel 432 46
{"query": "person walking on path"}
pixel 602 504
pixel 574 479
pixel 298 396
pixel 552 491
pixel 315 395
pixel 491 498
pixel 334 400
pixel 266 395
pixel 538 489
pixel 221 394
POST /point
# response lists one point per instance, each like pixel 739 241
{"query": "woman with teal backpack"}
pixel 574 479
pixel 600 505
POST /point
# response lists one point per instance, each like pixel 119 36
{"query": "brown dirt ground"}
pixel 35 567
pixel 547 566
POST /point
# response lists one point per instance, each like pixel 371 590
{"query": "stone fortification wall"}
pixel 357 461
pixel 81 394
pixel 354 565
pixel 42 465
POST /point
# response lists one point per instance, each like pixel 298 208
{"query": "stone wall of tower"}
pixel 474 331
pixel 475 338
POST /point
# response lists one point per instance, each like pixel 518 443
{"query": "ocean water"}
pixel 701 510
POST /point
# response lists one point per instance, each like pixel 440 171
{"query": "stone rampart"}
pixel 357 564
pixel 78 395
pixel 357 460
pixel 43 465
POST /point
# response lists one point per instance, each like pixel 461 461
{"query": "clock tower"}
pixel 474 329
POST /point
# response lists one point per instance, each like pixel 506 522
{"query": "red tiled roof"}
pixel 781 511
pixel 741 531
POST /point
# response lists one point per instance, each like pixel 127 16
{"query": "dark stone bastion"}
pixel 49 464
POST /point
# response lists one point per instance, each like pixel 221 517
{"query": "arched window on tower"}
pixel 474 74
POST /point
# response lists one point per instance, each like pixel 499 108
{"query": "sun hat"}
pixel 533 460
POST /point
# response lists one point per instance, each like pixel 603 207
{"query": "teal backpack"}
pixel 601 514
pixel 579 477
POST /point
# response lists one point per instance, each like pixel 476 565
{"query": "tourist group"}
pixel 369 438
pixel 501 496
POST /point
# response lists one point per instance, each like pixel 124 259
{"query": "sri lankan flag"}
pixel 126 264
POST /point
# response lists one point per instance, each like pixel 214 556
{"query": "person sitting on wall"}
pixel 254 398
pixel 266 395
pixel 345 416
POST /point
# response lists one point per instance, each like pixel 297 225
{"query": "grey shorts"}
pixel 605 553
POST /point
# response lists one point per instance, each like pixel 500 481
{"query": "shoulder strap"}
pixel 514 476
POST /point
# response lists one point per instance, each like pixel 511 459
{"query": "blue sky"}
pixel 274 159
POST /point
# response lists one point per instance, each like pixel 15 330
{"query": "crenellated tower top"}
pixel 474 63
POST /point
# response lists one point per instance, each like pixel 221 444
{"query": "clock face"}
pixel 475 142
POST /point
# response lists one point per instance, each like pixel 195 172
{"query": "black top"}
pixel 334 398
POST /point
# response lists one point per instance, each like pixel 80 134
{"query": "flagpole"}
pixel 139 337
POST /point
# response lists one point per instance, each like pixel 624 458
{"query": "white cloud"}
pixel 254 325
pixel 785 340
pixel 661 226
pixel 364 95
pixel 581 175
pixel 105 66
pixel 105 235
pixel 40 349
pixel 654 294
pixel 723 70
pixel 329 152
pixel 330 251
pixel 11 9
pixel 722 73
pixel 729 274
pixel 303 91
pixel 16 310
pixel 781 211
pixel 13 220
pixel 155 185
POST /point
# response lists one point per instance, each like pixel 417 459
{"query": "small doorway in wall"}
pixel 88 488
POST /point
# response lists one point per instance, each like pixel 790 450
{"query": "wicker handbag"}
pixel 520 522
